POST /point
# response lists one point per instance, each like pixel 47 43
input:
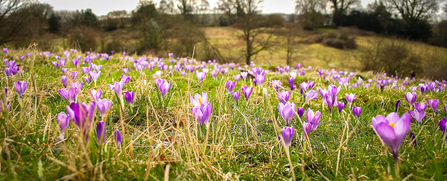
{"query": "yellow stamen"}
pixel 200 101
pixel 392 125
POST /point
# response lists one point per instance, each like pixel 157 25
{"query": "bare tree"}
pixel 186 8
pixel 311 12
pixel 9 28
pixel 291 33
pixel 340 8
pixel 414 10
pixel 247 18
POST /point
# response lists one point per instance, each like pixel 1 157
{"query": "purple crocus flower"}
pixel 76 62
pixel 287 134
pixel 86 70
pixel 88 79
pixel 305 86
pixel 396 107
pixel 6 91
pixel 287 111
pixel 95 75
pixel 20 87
pixel 63 120
pixel 244 75
pixel 198 99
pixel 64 70
pixel 443 124
pixel 434 103
pixel 291 83
pixel 64 81
pixel 237 77
pixel 118 138
pixel 202 113
pixel 329 102
pixel 420 106
pixel 259 79
pixel 410 97
pixel 276 84
pixel 247 91
pixel 103 106
pixel 307 128
pixel 129 96
pixel 311 95
pixel 163 86
pixel 200 76
pixel 424 88
pixel 340 106
pixel 117 87
pixel 96 94
pixel 350 98
pixel 126 70
pixel 312 122
pixel 230 85
pixel 73 75
pixel 313 118
pixel 82 114
pixel 418 115
pixel 356 111
pixel 392 130
pixel 300 111
pixel 283 96
pixel 69 94
pixel 101 132
pixel 8 71
pixel 77 85
pixel 236 95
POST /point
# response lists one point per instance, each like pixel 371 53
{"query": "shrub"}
pixel 340 41
pixel 114 45
pixel 394 58
pixel 435 66
pixel 333 42
pixel 84 38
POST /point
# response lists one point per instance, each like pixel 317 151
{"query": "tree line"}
pixel 174 25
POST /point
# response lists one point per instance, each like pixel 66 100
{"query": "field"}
pixel 50 132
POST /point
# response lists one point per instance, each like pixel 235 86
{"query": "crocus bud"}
pixel 63 120
pixel 443 124
pixel 413 139
pixel 236 95
pixel 247 91
pixel 357 111
pixel 434 103
pixel 101 132
pixel 118 138
pixel 64 81
pixel 129 96
pixel 396 107
pixel 287 134
pixel 20 87
pixel 300 112
pixel 340 106
pixel 230 85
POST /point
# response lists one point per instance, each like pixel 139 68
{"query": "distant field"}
pixel 316 55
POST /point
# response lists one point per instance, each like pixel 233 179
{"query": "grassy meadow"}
pixel 161 138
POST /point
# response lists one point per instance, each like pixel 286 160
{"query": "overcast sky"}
pixel 102 7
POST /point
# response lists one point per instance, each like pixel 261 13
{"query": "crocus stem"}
pixel 290 161
pixel 206 138
pixel 396 165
